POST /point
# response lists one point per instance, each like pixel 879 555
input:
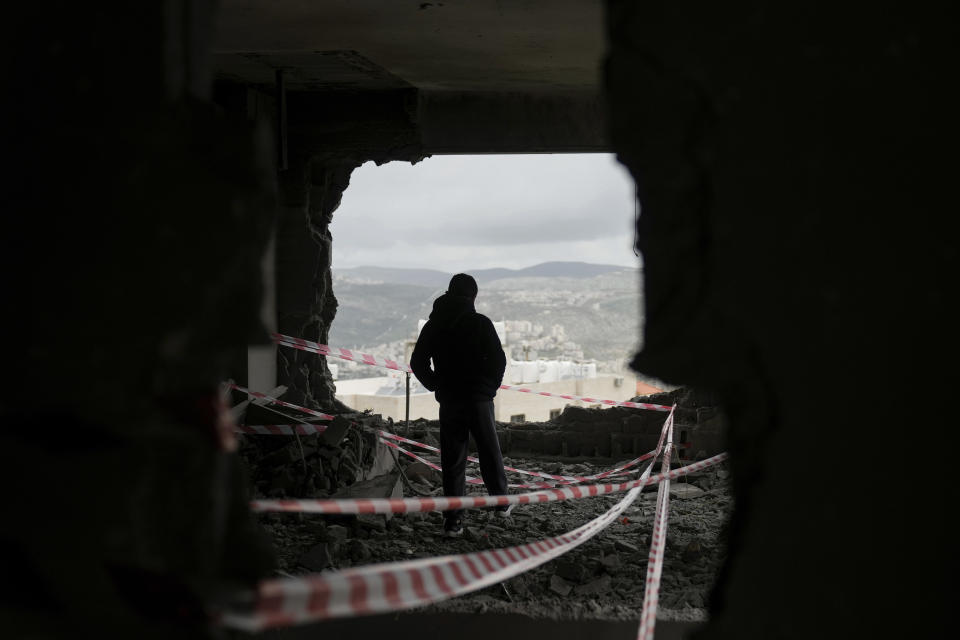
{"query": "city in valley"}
pixel 566 328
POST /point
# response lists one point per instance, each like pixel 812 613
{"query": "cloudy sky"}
pixel 456 213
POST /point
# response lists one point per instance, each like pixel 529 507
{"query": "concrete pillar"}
pixel 306 305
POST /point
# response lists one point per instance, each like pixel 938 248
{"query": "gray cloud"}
pixel 537 202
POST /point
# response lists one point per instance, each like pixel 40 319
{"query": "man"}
pixel 468 366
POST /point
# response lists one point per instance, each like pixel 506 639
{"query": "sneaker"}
pixel 504 511
pixel 452 527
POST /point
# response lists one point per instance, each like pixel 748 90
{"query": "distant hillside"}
pixel 598 305
pixel 434 278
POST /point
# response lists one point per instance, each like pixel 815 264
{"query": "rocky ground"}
pixel 602 578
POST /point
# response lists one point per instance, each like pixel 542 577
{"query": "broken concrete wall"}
pixel 792 232
pixel 135 216
pixel 329 138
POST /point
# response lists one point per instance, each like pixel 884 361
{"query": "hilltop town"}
pixel 579 312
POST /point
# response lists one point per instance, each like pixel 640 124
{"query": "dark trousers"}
pixel 458 421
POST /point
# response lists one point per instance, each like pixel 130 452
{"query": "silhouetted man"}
pixel 468 366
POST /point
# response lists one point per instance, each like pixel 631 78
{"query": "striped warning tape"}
pixel 472 479
pixel 537 474
pixel 589 400
pixel 307 429
pixel 658 539
pixel 402 585
pixel 374 361
pixel 271 399
pixel 446 503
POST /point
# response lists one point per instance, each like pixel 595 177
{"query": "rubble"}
pixel 604 577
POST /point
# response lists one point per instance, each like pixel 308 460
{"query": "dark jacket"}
pixel 468 361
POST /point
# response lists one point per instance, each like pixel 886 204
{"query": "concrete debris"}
pixel 420 471
pixel 684 490
pixel 595 587
pixel 373 521
pixel 337 533
pixel 572 570
pixel 623 545
pixel 318 558
pixel 358 550
pixel 335 431
pixel 560 586
pixel 693 551
pixel 604 575
pixel 611 562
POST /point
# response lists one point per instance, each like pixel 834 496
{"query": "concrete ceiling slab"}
pixel 307 71
pixel 458 45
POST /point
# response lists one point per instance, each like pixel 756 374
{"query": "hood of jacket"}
pixel 448 308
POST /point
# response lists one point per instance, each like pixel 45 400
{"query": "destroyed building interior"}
pixel 173 170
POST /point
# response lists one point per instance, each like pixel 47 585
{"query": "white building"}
pixel 386 395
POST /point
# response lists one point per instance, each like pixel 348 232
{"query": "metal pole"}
pixel 406 424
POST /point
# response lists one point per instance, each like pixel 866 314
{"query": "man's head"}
pixel 463 285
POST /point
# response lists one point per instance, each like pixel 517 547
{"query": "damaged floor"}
pixel 599 580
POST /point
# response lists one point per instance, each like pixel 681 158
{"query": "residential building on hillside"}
pixel 386 395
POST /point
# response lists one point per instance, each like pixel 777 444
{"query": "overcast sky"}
pixel 457 213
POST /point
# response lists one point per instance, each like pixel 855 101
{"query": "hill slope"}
pixel 598 306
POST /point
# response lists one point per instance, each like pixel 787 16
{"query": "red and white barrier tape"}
pixel 445 503
pixel 471 479
pixel 658 539
pixel 589 400
pixel 536 474
pixel 343 354
pixel 263 396
pixel 374 361
pixel 307 429
pixel 403 585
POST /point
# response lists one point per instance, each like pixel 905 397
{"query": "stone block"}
pixel 611 562
pixel 683 490
pixel 318 558
pixel 383 461
pixel 560 586
pixel 621 444
pixel 647 422
pixel 616 446
pixel 595 587
pixel 420 471
pixel 571 570
pixel 337 533
pixel 552 443
pixel 336 430
pixel 358 550
pixel 623 545
pixel 372 521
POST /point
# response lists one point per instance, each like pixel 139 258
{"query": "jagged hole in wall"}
pixel 549 238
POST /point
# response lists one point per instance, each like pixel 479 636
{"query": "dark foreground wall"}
pixel 800 258
pixel 134 221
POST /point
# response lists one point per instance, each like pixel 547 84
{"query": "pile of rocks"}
pixel 316 465
pixel 602 578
